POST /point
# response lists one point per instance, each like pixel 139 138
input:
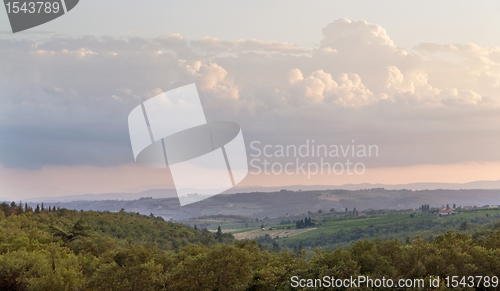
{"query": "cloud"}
pixel 211 77
pixel 462 66
pixel 211 45
pixel 295 76
pixel 462 97
pixel 65 100
pixel 346 35
pixel 348 90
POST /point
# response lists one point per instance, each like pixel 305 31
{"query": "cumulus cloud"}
pixel 414 88
pixel 462 66
pixel 295 76
pixel 65 100
pixel 348 90
pixel 345 35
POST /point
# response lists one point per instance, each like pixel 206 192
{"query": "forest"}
pixel 60 249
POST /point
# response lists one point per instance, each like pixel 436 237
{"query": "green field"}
pixel 343 231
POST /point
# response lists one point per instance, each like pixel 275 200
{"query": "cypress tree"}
pixel 218 235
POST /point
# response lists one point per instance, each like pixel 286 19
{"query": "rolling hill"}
pixel 283 203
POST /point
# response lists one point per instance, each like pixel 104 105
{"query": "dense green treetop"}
pixel 76 250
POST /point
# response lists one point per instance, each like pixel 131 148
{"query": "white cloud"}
pixel 211 75
pixel 462 66
pixel 211 78
pixel 348 90
pixel 294 76
pixel 74 94
pixel 352 92
pixel 344 34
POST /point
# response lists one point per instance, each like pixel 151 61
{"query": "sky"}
pixel 418 79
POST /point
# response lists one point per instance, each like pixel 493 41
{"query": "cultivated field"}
pixel 273 233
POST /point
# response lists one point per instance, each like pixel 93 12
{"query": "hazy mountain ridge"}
pixel 171 193
pixel 283 203
pixel 410 186
pixel 154 193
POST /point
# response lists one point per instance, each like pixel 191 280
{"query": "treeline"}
pixel 76 250
pixel 14 208
pixel 124 227
pixel 307 222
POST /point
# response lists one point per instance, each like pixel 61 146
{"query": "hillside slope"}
pixel 282 203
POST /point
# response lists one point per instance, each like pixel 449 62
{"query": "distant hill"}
pixel 411 186
pixel 154 193
pixel 282 203
pixel 171 193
